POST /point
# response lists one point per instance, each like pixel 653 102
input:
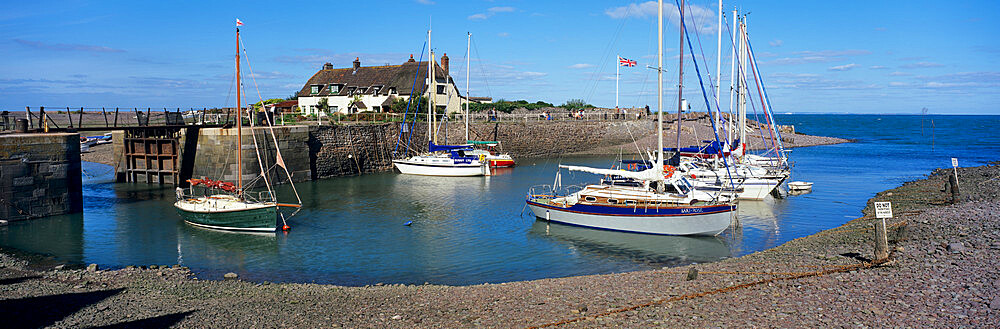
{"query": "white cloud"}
pixel 501 9
pixel 920 65
pixel 844 67
pixel 581 66
pixel 877 67
pixel 503 34
pixel 491 12
pixel 705 18
pixel 776 43
pixel 425 2
pixel 898 74
pixel 821 56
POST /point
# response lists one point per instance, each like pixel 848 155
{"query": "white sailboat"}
pixel 441 160
pixel 661 203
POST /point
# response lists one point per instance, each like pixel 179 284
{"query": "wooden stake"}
pixel 881 241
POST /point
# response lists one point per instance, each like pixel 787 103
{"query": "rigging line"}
pixel 270 125
pixel 704 94
pixel 409 101
pixel 595 75
pixel 770 109
pixel 482 68
pixel 416 106
pixel 701 49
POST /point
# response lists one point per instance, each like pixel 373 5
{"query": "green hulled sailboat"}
pixel 237 209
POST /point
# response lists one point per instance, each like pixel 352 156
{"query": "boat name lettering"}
pixel 690 210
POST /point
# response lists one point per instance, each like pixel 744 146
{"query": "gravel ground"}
pixel 942 273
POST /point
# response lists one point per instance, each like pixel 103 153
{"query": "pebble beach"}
pixel 940 273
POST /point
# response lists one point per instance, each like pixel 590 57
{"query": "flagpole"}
pixel 618 68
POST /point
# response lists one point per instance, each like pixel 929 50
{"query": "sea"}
pixel 353 231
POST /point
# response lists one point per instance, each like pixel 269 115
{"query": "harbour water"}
pixel 476 230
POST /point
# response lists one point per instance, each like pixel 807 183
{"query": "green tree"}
pixel 575 104
pixel 324 105
pixel 257 106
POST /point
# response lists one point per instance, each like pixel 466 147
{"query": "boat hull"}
pixel 258 219
pixel 501 163
pixel 456 170
pixel 682 220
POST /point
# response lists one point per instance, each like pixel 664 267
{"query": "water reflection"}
pixel 661 250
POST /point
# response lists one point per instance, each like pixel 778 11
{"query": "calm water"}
pixel 475 230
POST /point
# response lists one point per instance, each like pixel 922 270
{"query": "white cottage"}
pixel 375 88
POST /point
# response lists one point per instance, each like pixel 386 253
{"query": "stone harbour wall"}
pixel 215 156
pixel 40 175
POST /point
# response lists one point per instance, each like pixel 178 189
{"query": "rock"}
pixel 397 317
pixel 692 274
pixel 955 248
pixel 995 304
pixel 153 267
pixel 59 267
pixel 230 276
pixel 92 268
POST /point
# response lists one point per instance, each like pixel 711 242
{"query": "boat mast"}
pixel 468 61
pixel 430 74
pixel 659 92
pixel 239 121
pixel 743 87
pixel 732 82
pixel 718 71
pixel 680 81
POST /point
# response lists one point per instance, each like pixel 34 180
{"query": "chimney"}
pixel 357 63
pixel 327 66
pixel 411 59
pixel 444 63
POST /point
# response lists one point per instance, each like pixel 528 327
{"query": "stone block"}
pixel 24 181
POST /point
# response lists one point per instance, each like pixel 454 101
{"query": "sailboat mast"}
pixel 680 80
pixel 718 71
pixel 239 120
pixel 430 74
pixel 743 84
pixel 468 61
pixel 732 83
pixel 659 88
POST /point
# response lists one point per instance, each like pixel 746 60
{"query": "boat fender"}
pixel 408 223
pixel 482 157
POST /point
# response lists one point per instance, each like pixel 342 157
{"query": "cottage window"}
pixel 376 89
pixel 314 89
pixel 392 90
pixel 334 89
pixel 440 90
pixel 350 90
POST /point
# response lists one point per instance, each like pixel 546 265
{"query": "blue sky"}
pixel 815 56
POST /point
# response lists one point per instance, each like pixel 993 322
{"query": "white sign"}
pixel 883 210
pixel 954 162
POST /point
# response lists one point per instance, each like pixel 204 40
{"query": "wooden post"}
pixel 70 117
pixel 881 241
pixel 41 117
pixel 27 114
pixel 956 195
pixel 79 119
pixel 116 117
pixel 105 114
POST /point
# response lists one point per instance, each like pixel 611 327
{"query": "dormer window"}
pixel 334 89
pixel 376 89
pixel 350 90
pixel 392 90
pixel 440 90
pixel 361 90
pixel 314 89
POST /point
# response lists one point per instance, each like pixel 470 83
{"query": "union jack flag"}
pixel 625 62
pixel 239 22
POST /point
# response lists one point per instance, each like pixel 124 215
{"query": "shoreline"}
pixel 939 275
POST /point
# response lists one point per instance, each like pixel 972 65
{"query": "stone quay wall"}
pixel 314 152
pixel 216 157
pixel 40 175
